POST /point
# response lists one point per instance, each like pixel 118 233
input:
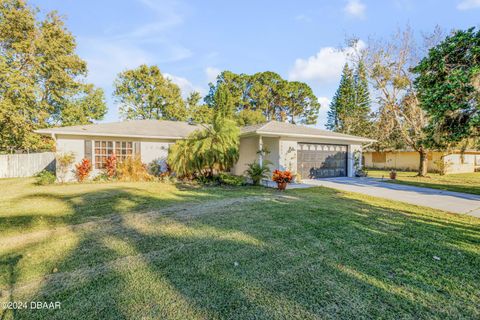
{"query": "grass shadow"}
pixel 313 253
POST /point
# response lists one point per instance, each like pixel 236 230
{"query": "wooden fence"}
pixel 25 165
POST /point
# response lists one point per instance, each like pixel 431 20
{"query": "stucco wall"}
pixel 410 161
pixel 457 163
pixel 288 155
pixel 151 149
pixel 248 154
pixel 70 144
pixel 272 146
pixel 155 151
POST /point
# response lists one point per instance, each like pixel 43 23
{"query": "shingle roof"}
pixel 288 129
pixel 178 130
pixel 131 128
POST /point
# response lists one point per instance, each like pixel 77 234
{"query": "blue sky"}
pixel 192 41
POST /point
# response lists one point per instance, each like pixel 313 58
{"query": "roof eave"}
pixel 298 135
pixel 100 134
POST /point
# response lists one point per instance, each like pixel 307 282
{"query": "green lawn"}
pixel 160 251
pixel 460 182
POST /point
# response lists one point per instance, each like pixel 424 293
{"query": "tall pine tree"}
pixel 342 103
pixel 362 113
pixel 350 107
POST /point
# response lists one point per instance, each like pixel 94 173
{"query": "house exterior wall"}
pixel 282 151
pixel 248 154
pixel 70 144
pixel 404 160
pixel 288 155
pixel 150 150
pixel 272 146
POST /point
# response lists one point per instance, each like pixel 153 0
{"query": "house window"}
pixel 379 157
pixel 104 149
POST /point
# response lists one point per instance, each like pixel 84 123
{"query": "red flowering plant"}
pixel 83 169
pixel 282 176
pixel 111 166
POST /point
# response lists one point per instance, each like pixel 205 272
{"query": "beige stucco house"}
pixel 312 152
pixel 452 162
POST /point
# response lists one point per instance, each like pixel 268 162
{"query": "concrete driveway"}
pixel 455 202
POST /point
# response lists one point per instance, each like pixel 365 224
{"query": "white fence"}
pixel 25 165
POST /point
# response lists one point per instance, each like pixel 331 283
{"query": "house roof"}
pixel 162 129
pixel 293 130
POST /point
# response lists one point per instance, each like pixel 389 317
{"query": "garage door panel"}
pixel 321 160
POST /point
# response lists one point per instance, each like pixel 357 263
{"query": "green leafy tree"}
pixel 206 152
pixel 144 93
pixel 199 113
pixel 448 86
pixel 248 117
pixel 300 104
pixel 263 96
pixel 267 93
pixel 389 67
pixel 42 79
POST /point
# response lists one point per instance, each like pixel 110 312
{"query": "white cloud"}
pixel 212 73
pixel 324 67
pixel 468 4
pixel 185 85
pixel 355 8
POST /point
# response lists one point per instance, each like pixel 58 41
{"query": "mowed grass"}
pixel 161 251
pixel 459 182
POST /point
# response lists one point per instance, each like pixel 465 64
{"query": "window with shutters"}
pixel 104 149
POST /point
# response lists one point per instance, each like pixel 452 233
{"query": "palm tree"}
pixel 204 152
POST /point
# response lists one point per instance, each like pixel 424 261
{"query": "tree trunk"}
pixel 422 168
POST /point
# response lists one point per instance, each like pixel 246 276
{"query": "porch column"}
pixel 260 149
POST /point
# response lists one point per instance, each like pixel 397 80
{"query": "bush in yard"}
pixel 231 180
pixel 111 166
pixel 205 152
pixel 63 162
pixel 83 169
pixel 257 172
pixel 45 177
pixel 158 168
pixel 132 169
pixel 102 177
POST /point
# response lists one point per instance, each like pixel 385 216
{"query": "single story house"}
pixel 311 152
pixel 452 162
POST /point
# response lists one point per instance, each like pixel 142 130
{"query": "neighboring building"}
pixel 314 153
pixel 451 162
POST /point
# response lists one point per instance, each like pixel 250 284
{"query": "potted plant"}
pixel 393 174
pixel 282 178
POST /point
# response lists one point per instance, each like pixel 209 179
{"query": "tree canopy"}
pixel 42 79
pixel 251 99
pixel 350 111
pixel 448 86
pixel 144 93
pixel 400 120
pixel 204 152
